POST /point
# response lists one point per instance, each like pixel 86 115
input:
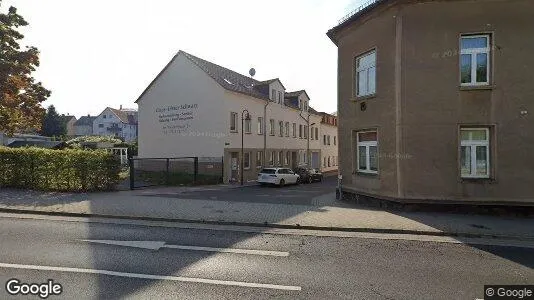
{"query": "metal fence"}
pixel 176 171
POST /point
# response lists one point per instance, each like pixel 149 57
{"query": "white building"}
pixel 195 108
pixel 84 126
pixel 120 123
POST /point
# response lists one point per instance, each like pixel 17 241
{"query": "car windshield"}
pixel 268 171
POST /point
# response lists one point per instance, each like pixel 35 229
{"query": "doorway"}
pixel 234 167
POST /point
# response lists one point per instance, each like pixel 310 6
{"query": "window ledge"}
pixel 233 131
pixel 363 98
pixel 365 174
pixel 248 132
pixel 478 180
pixel 476 87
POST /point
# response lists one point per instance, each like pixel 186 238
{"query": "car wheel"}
pixel 282 183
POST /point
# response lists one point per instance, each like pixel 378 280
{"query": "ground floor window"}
pixel 474 152
pixel 246 160
pixel 287 158
pixel 271 159
pixel 280 158
pixel 367 151
pixel 259 158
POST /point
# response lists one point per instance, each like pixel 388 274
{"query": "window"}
pixel 259 158
pixel 273 95
pixel 260 125
pixel 316 133
pixel 100 125
pixel 311 133
pixel 104 116
pixel 246 160
pixel 279 97
pixel 334 140
pixel 474 152
pixel 294 130
pixel 324 139
pixel 366 74
pixel 287 128
pixel 233 121
pixel 280 158
pixel 324 162
pixel 300 131
pixel 271 128
pixel 305 131
pixel 286 162
pixel 474 59
pixel 328 140
pixel 248 126
pixel 281 128
pixel 367 148
pixel 271 159
pixel 329 161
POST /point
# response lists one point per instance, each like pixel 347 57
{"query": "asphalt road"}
pixel 302 194
pixel 314 268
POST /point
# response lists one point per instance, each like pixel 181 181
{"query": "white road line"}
pixel 153 277
pixel 229 250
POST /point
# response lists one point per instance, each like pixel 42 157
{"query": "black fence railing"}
pixel 176 171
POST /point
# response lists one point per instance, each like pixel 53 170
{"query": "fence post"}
pixel 131 162
pixel 196 171
pixel 222 169
pixel 167 171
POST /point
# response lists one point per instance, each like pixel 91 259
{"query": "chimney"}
pixel 120 107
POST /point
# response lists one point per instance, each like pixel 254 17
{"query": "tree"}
pixel 20 95
pixel 53 124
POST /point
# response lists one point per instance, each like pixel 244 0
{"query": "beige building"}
pixel 435 101
pixel 197 108
pixel 69 124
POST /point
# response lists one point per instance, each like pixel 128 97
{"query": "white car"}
pixel 278 176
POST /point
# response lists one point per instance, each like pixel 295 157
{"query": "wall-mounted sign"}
pixel 176 119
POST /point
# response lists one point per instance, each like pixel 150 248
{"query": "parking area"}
pixel 317 193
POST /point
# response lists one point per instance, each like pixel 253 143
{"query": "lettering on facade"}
pixel 176 119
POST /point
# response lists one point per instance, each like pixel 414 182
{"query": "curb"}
pixel 274 225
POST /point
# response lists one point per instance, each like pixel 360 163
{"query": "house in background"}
pixel 69 124
pixel 435 101
pixel 84 126
pixel 195 108
pixel 121 123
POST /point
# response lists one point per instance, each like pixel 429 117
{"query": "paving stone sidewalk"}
pixel 341 216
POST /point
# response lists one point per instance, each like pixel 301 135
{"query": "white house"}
pixel 120 123
pixel 197 108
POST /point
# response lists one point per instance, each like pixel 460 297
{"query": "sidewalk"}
pixel 336 216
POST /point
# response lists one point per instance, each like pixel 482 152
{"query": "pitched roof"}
pixel 267 82
pixel 354 15
pixel 126 116
pixel 85 121
pixel 39 144
pixel 67 118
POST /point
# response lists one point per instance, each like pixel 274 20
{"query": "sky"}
pixel 101 53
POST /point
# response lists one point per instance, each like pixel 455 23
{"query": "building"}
pixel 121 123
pixel 69 124
pixel 435 101
pixel 328 141
pixel 6 140
pixel 84 126
pixel 197 108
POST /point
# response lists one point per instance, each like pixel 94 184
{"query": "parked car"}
pixel 309 175
pixel 278 176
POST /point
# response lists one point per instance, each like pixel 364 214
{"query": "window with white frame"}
pixel 300 131
pixel 475 152
pixel 260 125
pixel 316 133
pixel 259 158
pixel 248 125
pixel 474 59
pixel 366 74
pixel 324 139
pixel 311 133
pixel 294 130
pixel 271 158
pixel 305 131
pixel 286 162
pixel 280 158
pixel 287 128
pixel 246 160
pixel 367 151
pixel 271 126
pixel 324 162
pixel 233 121
pixel 329 161
pixel 328 140
pixel 279 97
pixel 273 95
pixel 281 128
pixel 334 140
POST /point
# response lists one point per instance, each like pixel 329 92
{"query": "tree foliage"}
pixel 20 95
pixel 53 123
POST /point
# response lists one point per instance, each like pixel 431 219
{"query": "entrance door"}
pixel 234 166
pixel 315 160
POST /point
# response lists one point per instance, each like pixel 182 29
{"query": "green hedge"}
pixel 58 170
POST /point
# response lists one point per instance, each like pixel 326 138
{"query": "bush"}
pixel 77 142
pixel 58 170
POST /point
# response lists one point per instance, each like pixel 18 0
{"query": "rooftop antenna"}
pixel 252 72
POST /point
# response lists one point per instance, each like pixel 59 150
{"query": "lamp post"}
pixel 243 118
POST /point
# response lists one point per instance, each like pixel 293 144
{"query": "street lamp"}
pixel 243 118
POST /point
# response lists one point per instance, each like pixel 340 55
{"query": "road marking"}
pixel 156 245
pixel 153 277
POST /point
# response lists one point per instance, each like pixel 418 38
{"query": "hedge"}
pixel 58 170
